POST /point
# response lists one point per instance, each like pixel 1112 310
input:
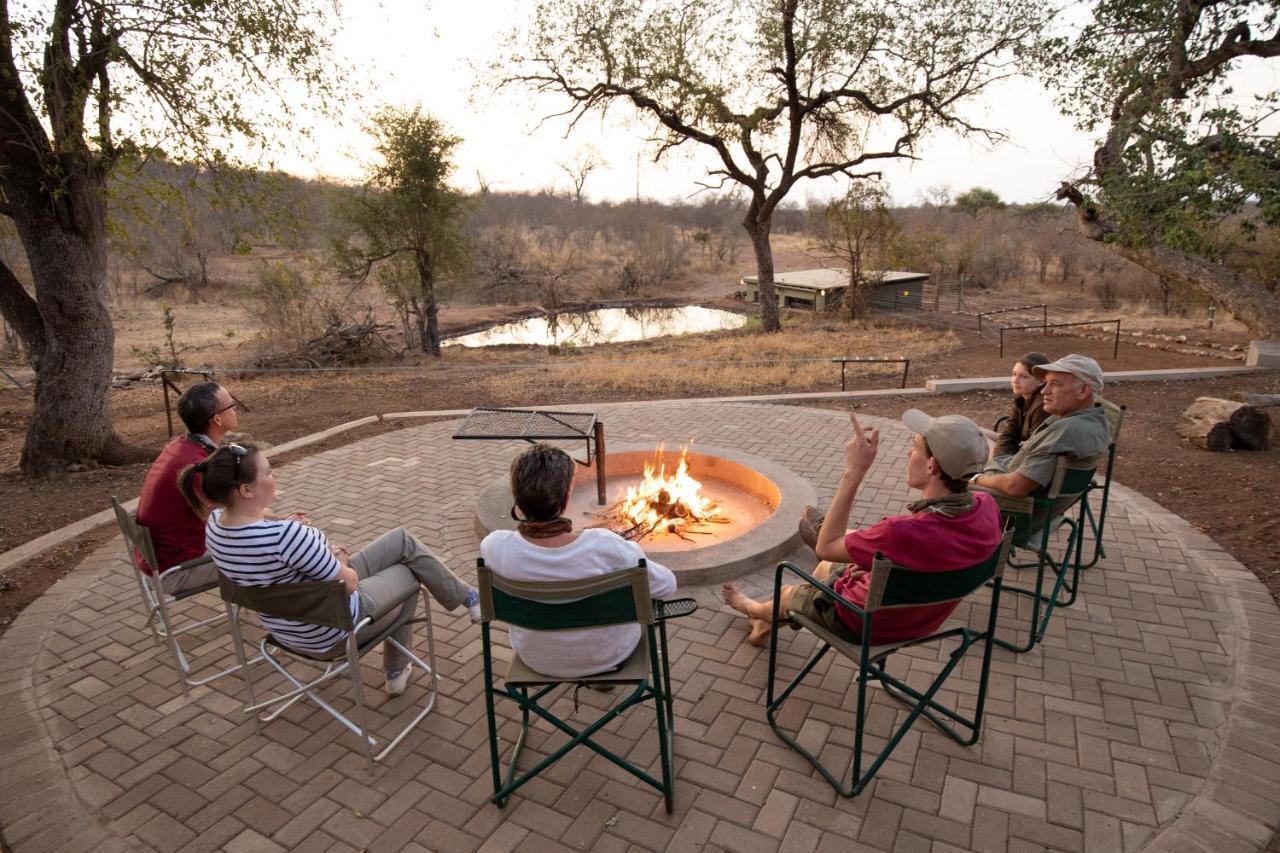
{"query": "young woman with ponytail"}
pixel 253 548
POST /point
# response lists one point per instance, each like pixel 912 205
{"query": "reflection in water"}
pixel 606 325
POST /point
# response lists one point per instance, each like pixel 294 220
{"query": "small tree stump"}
pixel 1217 425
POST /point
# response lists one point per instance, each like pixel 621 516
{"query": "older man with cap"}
pixel 1075 428
pixel 949 528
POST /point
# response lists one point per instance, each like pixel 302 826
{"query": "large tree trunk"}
pixel 429 323
pixel 72 418
pixel 1247 300
pixel 770 317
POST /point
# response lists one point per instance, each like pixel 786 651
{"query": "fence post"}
pixel 1045 322
pixel 1115 350
pixel 1002 341
pixel 906 366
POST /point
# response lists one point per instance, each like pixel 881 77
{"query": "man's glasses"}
pixel 227 407
pixel 239 453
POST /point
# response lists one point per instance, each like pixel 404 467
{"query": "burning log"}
pixel 672 504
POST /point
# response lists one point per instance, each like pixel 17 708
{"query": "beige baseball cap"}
pixel 1082 367
pixel 955 441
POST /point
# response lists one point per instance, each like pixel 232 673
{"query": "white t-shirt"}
pixel 569 654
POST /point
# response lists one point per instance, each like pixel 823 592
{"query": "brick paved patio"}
pixel 1146 721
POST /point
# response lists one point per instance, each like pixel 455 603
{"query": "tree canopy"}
pixel 778 91
pixel 407 224
pixel 1181 153
pixel 84 84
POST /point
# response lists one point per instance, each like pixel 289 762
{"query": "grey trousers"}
pixel 390 565
pixel 203 575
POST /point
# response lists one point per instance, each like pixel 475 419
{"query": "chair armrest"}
pixel 996 426
pixel 189 564
pixel 673 608
pixel 805 577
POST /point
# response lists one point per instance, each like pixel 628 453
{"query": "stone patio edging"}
pixel 54 538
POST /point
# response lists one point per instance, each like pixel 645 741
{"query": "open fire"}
pixel 665 503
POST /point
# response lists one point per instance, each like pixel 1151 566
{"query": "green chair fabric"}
pixel 326 603
pixel 616 598
pixel 1033 520
pixel 891 586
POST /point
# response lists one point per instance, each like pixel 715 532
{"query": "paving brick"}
pixel 1102 739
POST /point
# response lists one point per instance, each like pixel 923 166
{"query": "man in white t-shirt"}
pixel 546 548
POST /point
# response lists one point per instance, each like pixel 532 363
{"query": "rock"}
pixel 1236 348
pixel 1182 339
pixel 120 383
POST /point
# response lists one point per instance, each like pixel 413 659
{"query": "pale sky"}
pixel 407 51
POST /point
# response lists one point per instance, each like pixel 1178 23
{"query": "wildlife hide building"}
pixel 821 289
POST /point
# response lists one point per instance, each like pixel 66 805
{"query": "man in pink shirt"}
pixel 949 528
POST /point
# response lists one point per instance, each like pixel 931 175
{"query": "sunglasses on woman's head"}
pixel 239 453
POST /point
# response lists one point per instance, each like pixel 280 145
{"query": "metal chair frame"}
pixel 325 603
pixel 616 598
pixel 892 585
pixel 1068 487
pixel 156 602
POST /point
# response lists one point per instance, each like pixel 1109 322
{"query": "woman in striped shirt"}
pixel 252 549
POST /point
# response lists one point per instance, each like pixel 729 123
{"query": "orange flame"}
pixel 667 502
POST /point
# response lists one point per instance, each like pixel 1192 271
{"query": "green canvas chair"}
pixel 893 586
pixel 157 602
pixel 613 599
pixel 1033 520
pixel 326 603
pixel 1097 523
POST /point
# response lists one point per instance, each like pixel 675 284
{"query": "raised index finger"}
pixel 857 427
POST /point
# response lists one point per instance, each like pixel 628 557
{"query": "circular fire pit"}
pixel 759 501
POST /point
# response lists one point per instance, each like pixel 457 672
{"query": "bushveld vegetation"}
pixel 187 239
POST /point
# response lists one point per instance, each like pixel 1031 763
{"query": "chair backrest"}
pixel 610 599
pixel 895 585
pixel 137 538
pixel 1071 477
pixel 1115 417
pixel 314 602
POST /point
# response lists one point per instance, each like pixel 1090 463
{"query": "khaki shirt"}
pixel 1081 435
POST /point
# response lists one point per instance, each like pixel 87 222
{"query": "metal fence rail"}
pixel 1042 306
pixel 849 359
pixel 1115 347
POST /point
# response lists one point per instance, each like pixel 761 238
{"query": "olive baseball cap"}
pixel 1082 367
pixel 955 441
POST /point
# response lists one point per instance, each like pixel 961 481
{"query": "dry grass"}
pixel 798 359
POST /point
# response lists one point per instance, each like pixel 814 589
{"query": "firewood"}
pixel 1217 425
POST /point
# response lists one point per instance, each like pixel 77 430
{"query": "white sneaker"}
pixel 396 684
pixel 472 601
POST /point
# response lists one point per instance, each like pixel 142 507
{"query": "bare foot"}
pixel 759 632
pixel 735 599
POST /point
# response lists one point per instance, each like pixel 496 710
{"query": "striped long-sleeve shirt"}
pixel 272 552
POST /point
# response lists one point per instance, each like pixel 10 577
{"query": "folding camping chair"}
pixel 1115 418
pixel 893 586
pixel 616 598
pixel 1033 520
pixel 156 601
pixel 326 603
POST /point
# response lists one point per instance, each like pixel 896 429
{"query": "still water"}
pixel 605 325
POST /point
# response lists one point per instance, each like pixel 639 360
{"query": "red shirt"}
pixel 924 541
pixel 176 531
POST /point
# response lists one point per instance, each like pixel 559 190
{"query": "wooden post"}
pixel 600 473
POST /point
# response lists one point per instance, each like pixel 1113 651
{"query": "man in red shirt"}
pixel 177 531
pixel 949 528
